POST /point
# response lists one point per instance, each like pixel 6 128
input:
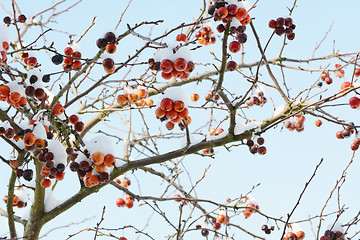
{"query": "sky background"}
pixel 292 156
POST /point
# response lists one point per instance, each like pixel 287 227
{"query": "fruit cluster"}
pixel 54 158
pixel 256 147
pixel 257 99
pixel 206 36
pixel 20 197
pixel 283 25
pixel 298 235
pixel 137 97
pixel 339 72
pixel 94 162
pixel 229 10
pixel 72 58
pixel 175 112
pixel 21 19
pixel 251 207
pixel 220 219
pixel 108 42
pixel 4 42
pixel 298 124
pixel 123 181
pixel 325 76
pixel 13 93
pixel 333 235
pixel 128 202
pixel 175 61
pixel 74 119
pixel 346 133
pixel 34 86
pixel 267 229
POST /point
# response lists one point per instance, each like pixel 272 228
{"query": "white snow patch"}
pixel 241 127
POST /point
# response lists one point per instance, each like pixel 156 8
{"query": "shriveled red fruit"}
pixel 181 37
pixel 58 109
pixel 73 119
pixel 222 12
pixel 234 46
pixel 357 72
pixel 76 65
pixel 246 20
pixel 166 104
pixel 109 160
pixel 345 85
pixel 79 126
pixel 172 114
pixel 232 9
pixel 354 102
pixel 166 66
pixel 179 106
pixel 45 183
pixel 120 202
pixel 22 18
pixel 231 65
pixel 29 139
pixel 272 24
pixel 110 37
pixel 220 28
pixel 169 125
pixel 110 48
pixel 166 76
pixel 340 135
pixel 159 113
pixel 97 158
pixel 180 64
pixel 194 97
pixel 68 51
pixel 14 97
pixel 241 14
pixel 121 99
pixel 68 61
pixel 108 63
pixel 190 67
pixel 76 54
pixel 318 123
pixel 129 203
pixel 4 90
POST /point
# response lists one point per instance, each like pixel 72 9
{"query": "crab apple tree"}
pixel 208 119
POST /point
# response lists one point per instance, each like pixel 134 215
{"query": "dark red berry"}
pixel 279 31
pixel 272 24
pixel 280 22
pixel 110 37
pixel 101 43
pixel 288 21
pixel 241 37
pixel 22 18
pixel 7 20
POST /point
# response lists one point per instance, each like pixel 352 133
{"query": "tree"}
pixel 76 109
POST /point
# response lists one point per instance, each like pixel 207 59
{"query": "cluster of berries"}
pixel 257 99
pixel 128 202
pixel 138 98
pixel 257 147
pixel 325 76
pixel 206 36
pixel 283 25
pixel 339 72
pixel 298 235
pixel 204 230
pixel 13 93
pixel 346 133
pixel 20 197
pixel 355 144
pixel 21 19
pixel 94 162
pixel 333 235
pixel 251 205
pixel 174 61
pixel 227 11
pixel 180 68
pixel 298 124
pixel 179 199
pixel 76 122
pixel 54 158
pixel 72 58
pixel 9 133
pixel 267 229
pixel 174 111
pixel 220 219
pixel 108 42
pixel 123 181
